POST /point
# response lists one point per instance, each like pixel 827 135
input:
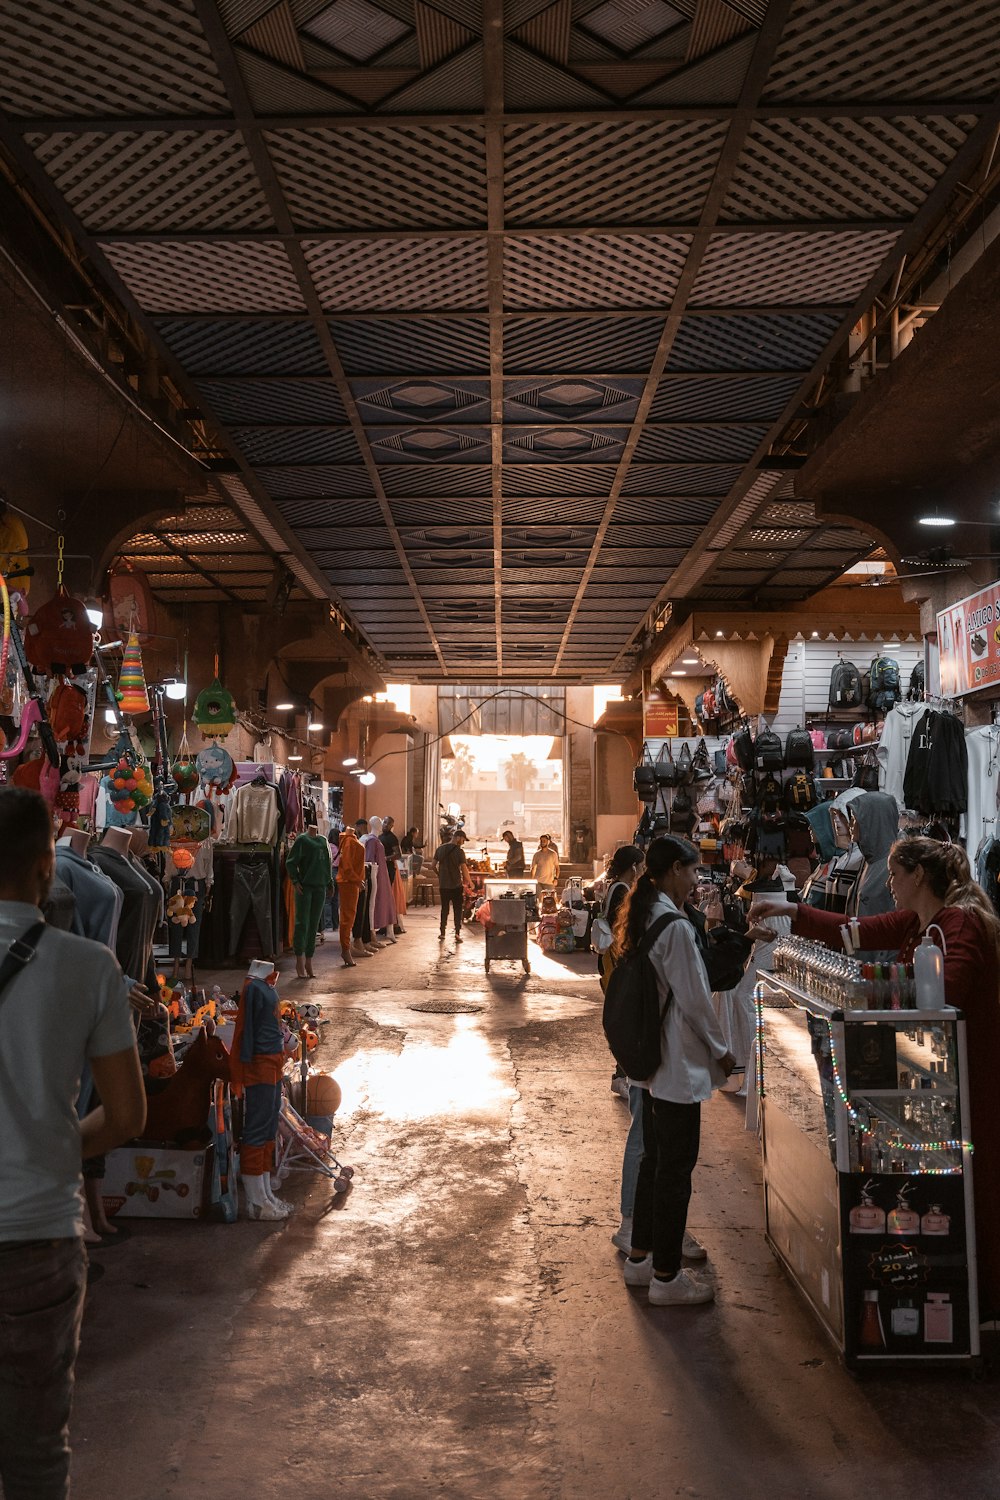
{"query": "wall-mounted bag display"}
pixel 768 754
pixel 644 778
pixel 846 689
pixel 665 767
pixel 685 766
pixel 799 749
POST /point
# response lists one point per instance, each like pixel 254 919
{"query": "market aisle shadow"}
pixel 457 1325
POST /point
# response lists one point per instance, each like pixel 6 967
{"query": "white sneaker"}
pixel 692 1249
pixel 619 1086
pixel 638 1272
pixel 622 1237
pixel 684 1291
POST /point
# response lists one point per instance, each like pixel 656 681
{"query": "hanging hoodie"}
pixel 894 747
pixel 877 817
pixel 937 767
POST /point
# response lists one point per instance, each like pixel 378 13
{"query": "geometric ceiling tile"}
pixel 535 346
pixel 565 443
pixel 702 444
pixel 355 28
pixel 460 479
pixel 627 24
pixel 370 275
pixel 244 347
pixel 439 35
pixel 531 82
pixel 276 89
pixel 715 79
pixel 740 399
pixel 420 400
pixel 757 341
pixel 296 445
pixel 155 180
pixel 599 270
pixel 394 177
pixel 609 172
pixel 455 84
pixel 293 482
pixel 557 479
pixel 680 479
pixel 828 266
pixel 245 401
pixel 569 400
pixel 95 58
pixel 715 23
pixel 864 49
pixel 402 346
pixel 431 444
pixel 275 35
pixel 207 276
pixel 841 168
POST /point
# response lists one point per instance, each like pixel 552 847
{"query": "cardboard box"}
pixel 153 1182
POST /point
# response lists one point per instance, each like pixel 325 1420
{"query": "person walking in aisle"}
pixel 63 1003
pixel 545 866
pixel 449 862
pixel 694 1061
pixel 350 885
pixel 308 864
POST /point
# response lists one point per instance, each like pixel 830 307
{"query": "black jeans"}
pixel 251 890
pixel 451 899
pixel 671 1134
pixel 42 1288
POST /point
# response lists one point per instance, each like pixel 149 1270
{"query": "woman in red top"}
pixel 933 888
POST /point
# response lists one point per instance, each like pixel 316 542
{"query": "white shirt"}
pixel 693 1040
pixel 894 747
pixel 983 745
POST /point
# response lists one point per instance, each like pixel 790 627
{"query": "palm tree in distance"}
pixel 460 768
pixel 521 772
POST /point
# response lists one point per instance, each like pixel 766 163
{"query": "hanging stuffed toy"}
pixel 131 694
pixel 67 711
pixel 161 825
pixel 14 552
pixel 214 711
pixel 215 767
pixel 180 909
pixel 59 637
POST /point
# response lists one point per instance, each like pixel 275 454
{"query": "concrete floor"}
pixel 457 1326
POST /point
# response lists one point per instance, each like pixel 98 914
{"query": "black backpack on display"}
pixel 682 814
pixel 915 693
pixel 633 1016
pixel 743 748
pixel 725 703
pixel 768 754
pixel 800 793
pixel 799 749
pixel 846 690
pixel 884 691
pixel 767 820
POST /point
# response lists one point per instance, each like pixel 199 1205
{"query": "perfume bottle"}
pixel 938 1318
pixel 903 1219
pixel 872 1334
pixel 904 1319
pixel 866 1217
pixel 935 1221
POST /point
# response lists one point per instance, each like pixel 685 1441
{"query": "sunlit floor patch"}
pixel 461 1077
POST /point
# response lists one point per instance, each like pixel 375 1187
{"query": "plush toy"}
pixel 180 909
pixel 215 766
pixel 214 711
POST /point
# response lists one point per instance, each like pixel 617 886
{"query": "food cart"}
pixel 507 929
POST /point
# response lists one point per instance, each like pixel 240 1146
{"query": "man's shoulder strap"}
pixel 19 954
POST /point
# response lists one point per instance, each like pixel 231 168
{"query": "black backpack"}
pixel 682 813
pixel 800 793
pixel 725 703
pixel 884 691
pixel 845 686
pixel 725 957
pixel 743 748
pixel 799 749
pixel 633 1015
pixel 767 752
pixel 916 689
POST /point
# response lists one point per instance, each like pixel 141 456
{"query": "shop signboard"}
pixel 969 643
pixel 660 719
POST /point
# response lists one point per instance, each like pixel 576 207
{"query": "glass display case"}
pixel 868 1170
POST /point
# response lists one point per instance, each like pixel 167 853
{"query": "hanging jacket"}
pixel 877 817
pixel 893 747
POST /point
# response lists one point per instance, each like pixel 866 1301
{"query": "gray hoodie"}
pixel 877 817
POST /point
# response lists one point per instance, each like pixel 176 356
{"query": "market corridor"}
pixel 457 1326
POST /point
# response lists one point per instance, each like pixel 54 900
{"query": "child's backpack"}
pixel 800 793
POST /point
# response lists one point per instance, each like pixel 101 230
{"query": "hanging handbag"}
pixel 665 767
pixel 866 774
pixel 685 766
pixel 644 778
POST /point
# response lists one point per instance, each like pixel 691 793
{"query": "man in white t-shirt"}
pixel 545 866
pixel 64 1003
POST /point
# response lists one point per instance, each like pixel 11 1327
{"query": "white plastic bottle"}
pixel 928 974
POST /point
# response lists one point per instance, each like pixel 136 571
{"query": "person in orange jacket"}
pixel 351 882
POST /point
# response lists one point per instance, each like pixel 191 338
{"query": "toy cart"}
pixel 507 929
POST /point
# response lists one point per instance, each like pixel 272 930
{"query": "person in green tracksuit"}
pixel 308 865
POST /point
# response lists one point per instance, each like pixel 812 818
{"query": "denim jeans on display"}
pixel 42 1287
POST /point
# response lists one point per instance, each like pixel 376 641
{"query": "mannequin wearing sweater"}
pixel 308 864
pixel 350 884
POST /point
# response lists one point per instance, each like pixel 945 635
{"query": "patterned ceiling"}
pixel 501 305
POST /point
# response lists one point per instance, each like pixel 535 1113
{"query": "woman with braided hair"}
pixel 933 889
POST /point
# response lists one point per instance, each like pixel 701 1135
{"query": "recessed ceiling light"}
pixel 936 519
pixel 315 728
pixel 283 708
pixel 678 672
pixel 350 760
pixel 691 661
pixel 295 757
pixel 367 778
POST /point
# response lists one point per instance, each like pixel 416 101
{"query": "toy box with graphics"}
pixel 155 1182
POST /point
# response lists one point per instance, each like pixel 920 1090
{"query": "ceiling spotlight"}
pixel 935 518
pixel 815 635
pixel 295 757
pixel 678 672
pixel 175 688
pixel 349 760
pixel 283 708
pixel 110 716
pixel 719 634
pixel 313 728
pixel 367 778
pixel 95 613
